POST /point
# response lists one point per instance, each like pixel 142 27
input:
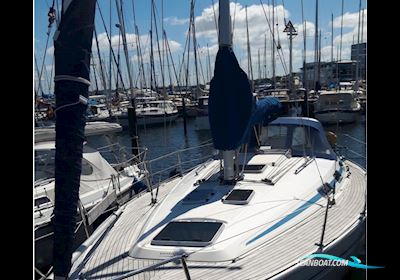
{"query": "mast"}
pixel 158 49
pixel 362 27
pixel 305 105
pixel 103 78
pixel 340 49
pixel 249 63
pixel 152 70
pixel 72 50
pixel 118 55
pixel 209 63
pixel 265 56
pixel 163 46
pixel 110 65
pixel 273 44
pixel 132 109
pixel 138 50
pixel 194 46
pixel 319 58
pixel 40 89
pixel 358 48
pixel 94 73
pixel 291 32
pixel 225 40
pixel 231 102
pixel 332 40
pixel 316 49
pixel 259 64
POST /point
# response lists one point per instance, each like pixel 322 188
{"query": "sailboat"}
pixel 102 186
pixel 253 212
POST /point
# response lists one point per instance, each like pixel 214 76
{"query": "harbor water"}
pixel 168 138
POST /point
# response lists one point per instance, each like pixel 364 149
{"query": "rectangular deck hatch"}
pixel 188 233
pixel 253 168
pixel 240 197
pixel 40 201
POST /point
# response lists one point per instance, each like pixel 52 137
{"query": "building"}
pixel 330 73
pixel 359 53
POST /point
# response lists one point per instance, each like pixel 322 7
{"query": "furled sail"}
pixel 72 49
pixel 232 108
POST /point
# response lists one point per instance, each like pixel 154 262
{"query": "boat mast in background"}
pixel 249 63
pixel 340 48
pixel 131 109
pixel 291 33
pixel 273 44
pixel 332 39
pixel 358 49
pixel 316 56
pixel 305 112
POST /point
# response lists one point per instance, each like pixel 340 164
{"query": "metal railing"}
pixel 120 155
pixel 172 164
pixel 350 153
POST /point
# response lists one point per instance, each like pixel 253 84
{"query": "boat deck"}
pixel 111 258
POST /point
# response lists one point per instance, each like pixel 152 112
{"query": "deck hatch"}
pixel 238 197
pixel 41 200
pixel 253 168
pixel 199 195
pixel 188 233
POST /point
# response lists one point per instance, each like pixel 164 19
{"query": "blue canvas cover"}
pixel 232 108
pixel 230 103
pixel 264 112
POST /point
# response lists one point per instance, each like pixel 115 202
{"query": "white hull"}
pixel 91 129
pixel 337 117
pixel 148 120
pixel 275 259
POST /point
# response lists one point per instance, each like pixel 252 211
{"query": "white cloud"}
pixel 50 51
pixel 258 30
pixel 350 20
pixel 176 21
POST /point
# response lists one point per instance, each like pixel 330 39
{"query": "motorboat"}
pixel 153 112
pixel 334 107
pixel 202 120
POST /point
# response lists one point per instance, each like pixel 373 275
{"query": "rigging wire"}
pixel 109 41
pixel 215 16
pixel 274 42
pixel 201 66
pixel 51 15
pixel 139 50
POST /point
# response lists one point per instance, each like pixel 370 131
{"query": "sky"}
pixel 175 15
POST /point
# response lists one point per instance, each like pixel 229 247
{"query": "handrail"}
pixel 150 267
pixel 178 151
pixel 355 139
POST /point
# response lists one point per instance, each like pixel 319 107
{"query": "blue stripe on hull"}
pixel 287 218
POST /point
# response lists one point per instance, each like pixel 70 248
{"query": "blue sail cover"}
pixel 232 109
pixel 230 102
pixel 264 112
pixel 72 51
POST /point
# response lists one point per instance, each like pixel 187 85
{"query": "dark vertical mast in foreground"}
pixel 72 48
